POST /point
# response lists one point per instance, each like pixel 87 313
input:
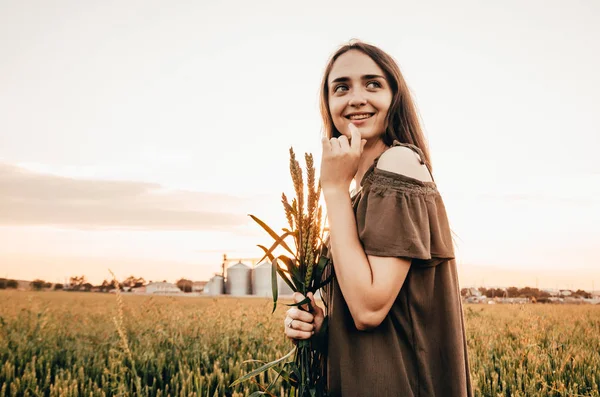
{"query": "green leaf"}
pixel 279 270
pixel 253 361
pixel 324 283
pixel 272 233
pixel 262 369
pixel 323 260
pixel 274 284
pixel 294 272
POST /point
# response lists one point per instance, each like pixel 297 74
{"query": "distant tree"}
pixel 105 286
pixel 3 282
pixel 498 292
pixel 76 282
pixel 544 294
pixel 12 284
pixel 87 287
pixel 38 284
pixel 528 292
pixel 184 285
pixel 582 294
pixel 58 286
pixel 134 282
pixel 512 292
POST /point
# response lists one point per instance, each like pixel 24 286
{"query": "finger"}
pixel 298 297
pixel 335 145
pixel 300 315
pixel 344 144
pixel 316 309
pixel 300 325
pixel 311 296
pixel 325 144
pixel 295 334
pixel 363 142
pixel 355 134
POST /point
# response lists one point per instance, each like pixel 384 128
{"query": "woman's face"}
pixel 358 93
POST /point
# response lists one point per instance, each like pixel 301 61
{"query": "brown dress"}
pixel 420 347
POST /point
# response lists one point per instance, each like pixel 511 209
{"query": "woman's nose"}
pixel 357 99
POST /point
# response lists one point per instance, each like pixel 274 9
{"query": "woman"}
pixel 395 314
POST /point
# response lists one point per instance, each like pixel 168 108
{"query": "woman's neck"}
pixel 372 149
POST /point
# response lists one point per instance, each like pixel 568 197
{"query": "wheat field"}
pixel 89 344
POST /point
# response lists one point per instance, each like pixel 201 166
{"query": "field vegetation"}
pixel 83 344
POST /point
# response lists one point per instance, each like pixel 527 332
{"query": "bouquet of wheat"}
pixel 303 271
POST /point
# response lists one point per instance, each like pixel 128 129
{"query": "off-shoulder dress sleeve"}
pixel 399 216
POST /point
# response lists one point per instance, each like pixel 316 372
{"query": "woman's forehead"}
pixel 353 65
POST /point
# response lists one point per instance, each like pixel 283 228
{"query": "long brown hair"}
pixel 402 121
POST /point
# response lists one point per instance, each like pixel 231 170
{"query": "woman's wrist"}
pixel 335 192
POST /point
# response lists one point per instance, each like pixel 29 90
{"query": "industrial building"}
pixel 162 288
pixel 243 280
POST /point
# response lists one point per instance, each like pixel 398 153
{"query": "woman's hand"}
pixel 304 324
pixel 340 160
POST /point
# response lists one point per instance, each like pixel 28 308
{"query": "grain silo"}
pixel 284 289
pixel 261 280
pixel 215 285
pixel 239 279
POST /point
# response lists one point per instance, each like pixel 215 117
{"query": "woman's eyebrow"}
pixel 365 77
pixel 372 76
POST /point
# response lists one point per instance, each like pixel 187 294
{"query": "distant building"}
pixel 552 291
pixel 261 279
pixel 244 280
pixel 239 280
pixel 261 282
pixel 198 286
pixel 214 286
pixel 163 288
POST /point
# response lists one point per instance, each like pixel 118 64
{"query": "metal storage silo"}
pixel 215 285
pixel 284 289
pixel 239 279
pixel 261 280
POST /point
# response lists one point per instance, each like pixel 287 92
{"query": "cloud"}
pixel 30 198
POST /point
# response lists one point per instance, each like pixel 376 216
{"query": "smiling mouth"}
pixel 359 116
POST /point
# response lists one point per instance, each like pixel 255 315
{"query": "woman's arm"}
pixel 370 284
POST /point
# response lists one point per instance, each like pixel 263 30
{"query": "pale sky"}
pixel 138 135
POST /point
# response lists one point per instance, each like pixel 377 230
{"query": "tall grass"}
pixel 67 344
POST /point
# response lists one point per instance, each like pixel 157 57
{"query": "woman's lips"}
pixel 360 121
pixel 359 116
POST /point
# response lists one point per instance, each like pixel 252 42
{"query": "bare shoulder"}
pixel 404 161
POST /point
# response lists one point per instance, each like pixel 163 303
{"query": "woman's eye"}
pixel 373 84
pixel 340 88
